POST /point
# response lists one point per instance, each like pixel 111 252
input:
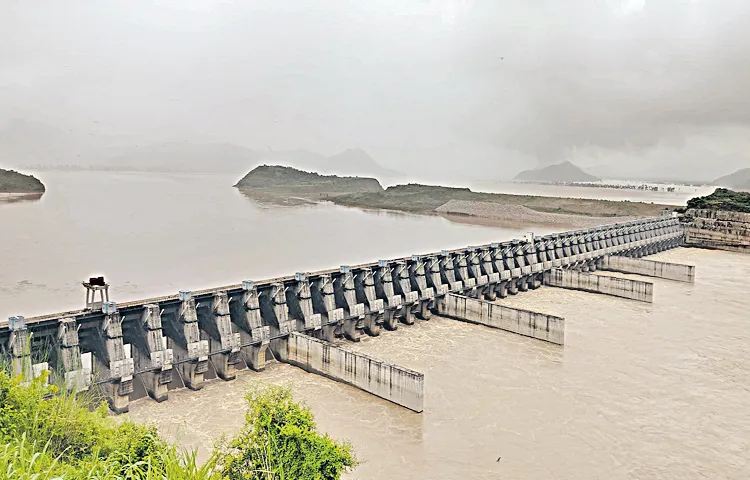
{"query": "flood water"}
pixel 657 391
pixel 639 391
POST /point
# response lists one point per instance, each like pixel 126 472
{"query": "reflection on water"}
pixel 20 197
pixel 639 391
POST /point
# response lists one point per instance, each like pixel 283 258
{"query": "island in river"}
pixel 286 185
pixel 15 185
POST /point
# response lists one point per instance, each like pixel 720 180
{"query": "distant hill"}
pixel 187 157
pixel 356 161
pixel 353 161
pixel 739 179
pixel 284 180
pixel 14 182
pixel 562 172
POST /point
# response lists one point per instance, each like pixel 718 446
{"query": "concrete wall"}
pixel 394 383
pixel 523 322
pixel 649 268
pixel 718 230
pixel 618 287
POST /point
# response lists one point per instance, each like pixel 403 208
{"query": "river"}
pixel 155 234
pixel 656 391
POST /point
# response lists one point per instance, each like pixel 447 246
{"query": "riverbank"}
pixel 498 208
pixel 489 213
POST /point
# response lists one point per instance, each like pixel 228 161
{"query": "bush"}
pixel 48 434
pixel 280 442
pixel 51 434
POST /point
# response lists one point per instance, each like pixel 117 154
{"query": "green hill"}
pixel 723 199
pixel 283 180
pixel 14 182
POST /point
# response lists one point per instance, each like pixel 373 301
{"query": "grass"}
pixel 47 433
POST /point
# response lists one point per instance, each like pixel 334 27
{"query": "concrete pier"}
pixel 587 282
pixel 183 337
pixel 19 346
pixel 150 355
pixel 224 343
pixel 649 268
pixel 66 357
pixel 110 361
pixel 396 384
pixel 523 322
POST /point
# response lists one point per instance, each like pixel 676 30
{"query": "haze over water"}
pixel 155 234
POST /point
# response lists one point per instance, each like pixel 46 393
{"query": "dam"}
pixel 298 319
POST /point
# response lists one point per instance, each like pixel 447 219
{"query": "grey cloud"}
pixel 419 83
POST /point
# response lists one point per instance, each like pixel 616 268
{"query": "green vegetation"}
pixel 14 182
pixel 723 199
pixel 288 178
pixel 280 441
pixel 46 434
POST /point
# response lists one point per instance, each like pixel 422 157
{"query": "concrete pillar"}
pixel 66 357
pixel 215 322
pixel 487 269
pixel 324 302
pixel 150 354
pixel 19 346
pixel 184 338
pixel 391 382
pixel 435 282
pixel 254 336
pixel 514 273
pixel 364 283
pixel 618 287
pixel 110 361
pixel 402 285
pixel 384 290
pixel 418 279
pixel 346 298
pixel 523 322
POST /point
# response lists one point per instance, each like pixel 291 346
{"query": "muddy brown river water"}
pixel 639 391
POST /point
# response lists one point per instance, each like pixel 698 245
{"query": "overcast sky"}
pixel 490 85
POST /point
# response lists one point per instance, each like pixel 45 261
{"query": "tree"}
pixel 280 441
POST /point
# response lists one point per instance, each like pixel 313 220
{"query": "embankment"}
pixel 717 229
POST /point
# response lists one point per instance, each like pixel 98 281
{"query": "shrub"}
pixel 46 434
pixel 280 442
